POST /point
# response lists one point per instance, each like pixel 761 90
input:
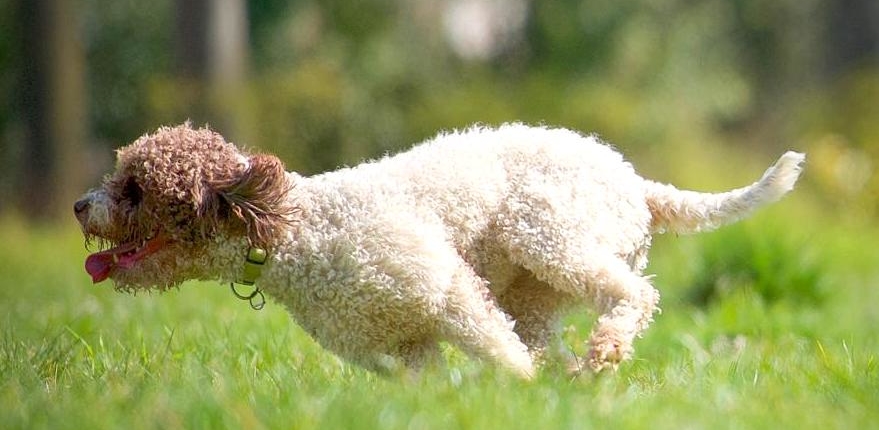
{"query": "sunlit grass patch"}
pixel 76 355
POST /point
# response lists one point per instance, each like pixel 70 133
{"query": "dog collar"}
pixel 253 263
pixel 256 258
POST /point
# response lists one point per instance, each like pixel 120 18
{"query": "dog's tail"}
pixel 690 212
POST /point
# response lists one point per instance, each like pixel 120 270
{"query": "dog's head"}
pixel 175 196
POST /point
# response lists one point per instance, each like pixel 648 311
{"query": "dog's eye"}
pixel 132 192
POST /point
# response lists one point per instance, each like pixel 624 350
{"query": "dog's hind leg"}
pixel 624 299
pixel 626 302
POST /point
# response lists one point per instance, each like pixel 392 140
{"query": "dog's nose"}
pixel 81 206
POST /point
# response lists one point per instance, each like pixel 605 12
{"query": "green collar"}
pixel 256 258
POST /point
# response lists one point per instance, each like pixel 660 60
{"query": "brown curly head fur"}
pixel 200 183
pixel 186 187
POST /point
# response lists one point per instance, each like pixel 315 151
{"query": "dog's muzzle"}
pixel 92 209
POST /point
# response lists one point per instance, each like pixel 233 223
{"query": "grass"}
pixel 751 354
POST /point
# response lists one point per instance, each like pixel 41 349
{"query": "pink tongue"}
pixel 100 264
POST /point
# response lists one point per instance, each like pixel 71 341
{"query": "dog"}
pixel 482 238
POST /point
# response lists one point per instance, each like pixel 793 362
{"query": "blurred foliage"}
pixel 128 46
pixel 774 267
pixel 841 125
pixel 336 81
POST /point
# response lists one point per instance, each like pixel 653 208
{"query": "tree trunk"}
pixel 212 56
pixel 53 106
pixel 853 35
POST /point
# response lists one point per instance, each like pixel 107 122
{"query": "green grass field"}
pixel 767 324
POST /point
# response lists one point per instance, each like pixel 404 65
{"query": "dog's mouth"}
pixel 101 264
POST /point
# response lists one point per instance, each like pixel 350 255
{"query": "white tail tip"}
pixel 784 174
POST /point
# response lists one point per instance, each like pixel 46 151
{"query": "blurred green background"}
pixel 700 93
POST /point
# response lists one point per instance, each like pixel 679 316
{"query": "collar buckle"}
pixel 253 263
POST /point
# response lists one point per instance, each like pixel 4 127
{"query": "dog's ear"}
pixel 257 197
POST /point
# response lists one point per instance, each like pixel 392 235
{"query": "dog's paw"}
pixel 606 353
